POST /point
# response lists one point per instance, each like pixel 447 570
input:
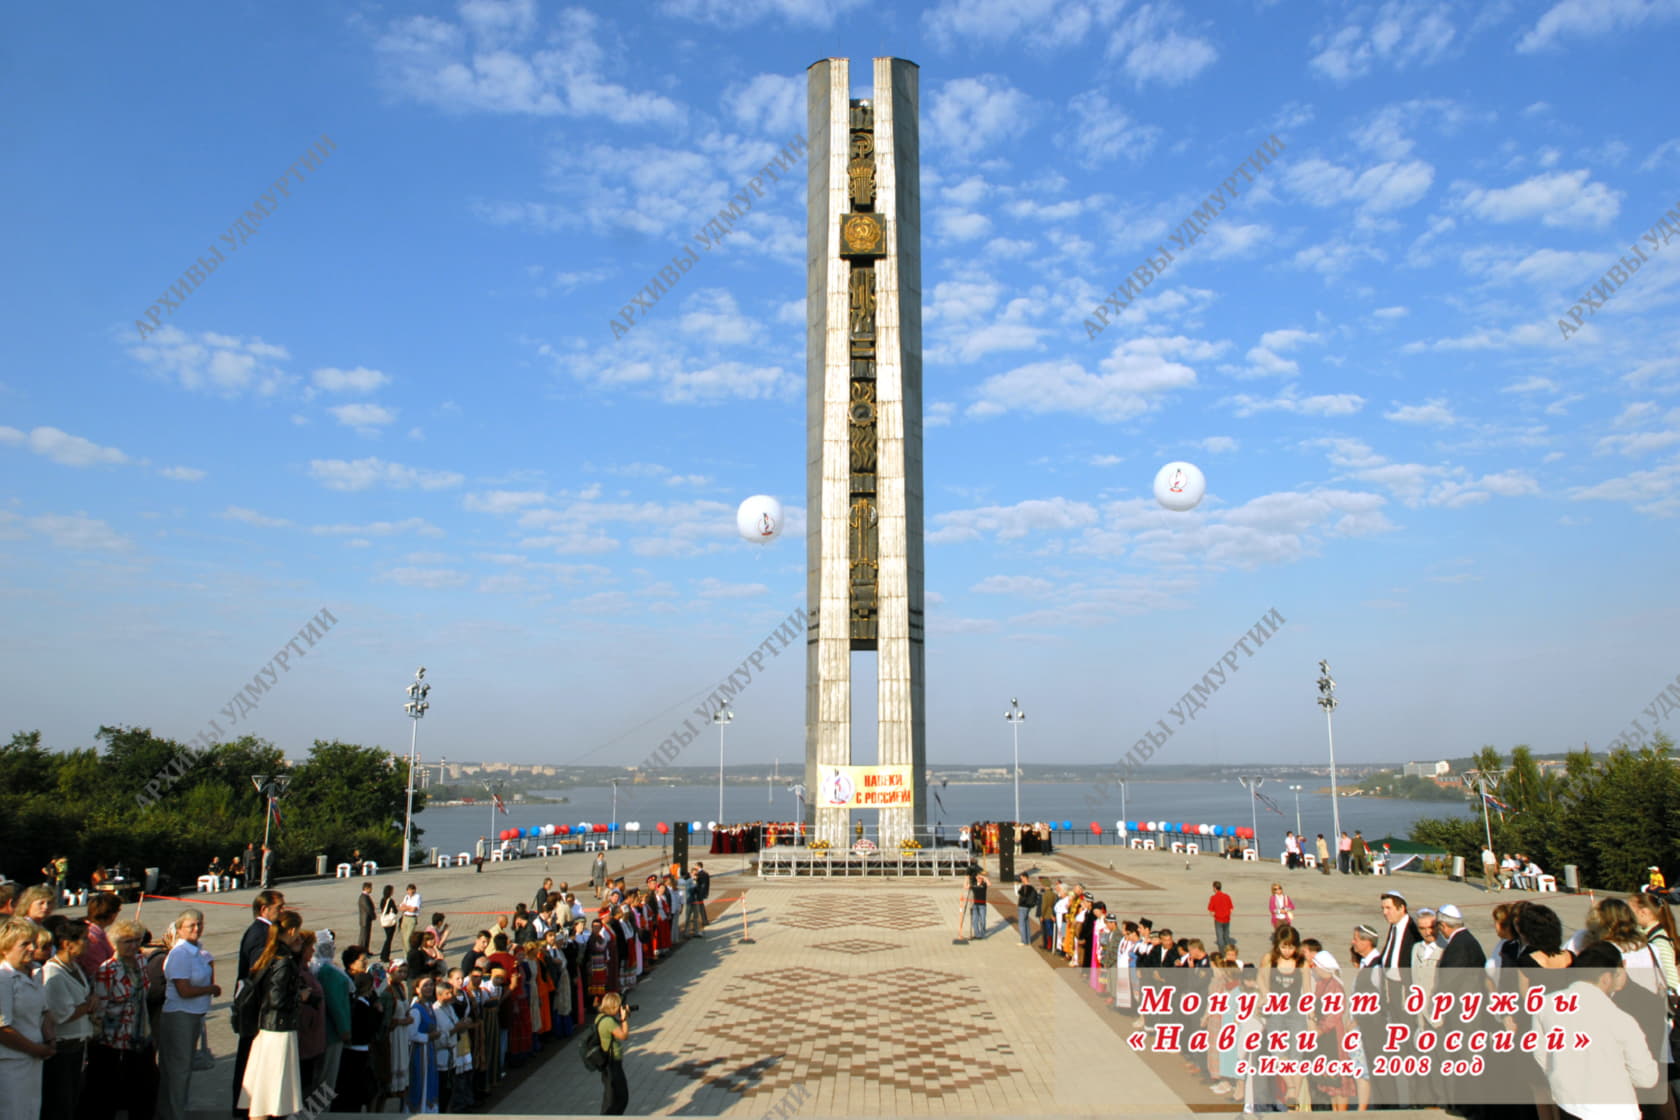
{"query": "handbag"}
pixel 388 917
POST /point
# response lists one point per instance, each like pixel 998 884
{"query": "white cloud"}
pixel 1377 190
pixel 741 13
pixel 1102 132
pixel 358 380
pixel 361 474
pixel 1028 587
pixel 63 448
pixel 503 501
pixel 1011 522
pixel 79 533
pixel 182 474
pixel 1130 381
pixel 252 517
pixel 773 104
pixel 1593 19
pixel 1151 49
pixel 429 578
pixel 1401 34
pixel 215 363
pixel 1637 443
pixel 717 589
pixel 1435 413
pixel 1219 445
pixel 1532 384
pixel 488 63
pixel 1566 199
pixel 1655 492
pixel 1042 24
pixel 969 116
pixel 365 418
pixel 1265 360
pixel 1290 400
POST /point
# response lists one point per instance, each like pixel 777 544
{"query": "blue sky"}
pixel 400 397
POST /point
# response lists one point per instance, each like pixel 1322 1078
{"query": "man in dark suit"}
pixel 365 915
pixel 1395 962
pixel 702 892
pixel 265 911
pixel 1461 971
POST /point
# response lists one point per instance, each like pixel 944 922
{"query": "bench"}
pixel 208 884
pixel 342 871
pixel 1250 856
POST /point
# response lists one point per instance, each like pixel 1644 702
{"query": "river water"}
pixel 457 828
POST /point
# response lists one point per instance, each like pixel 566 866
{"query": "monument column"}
pixel 864 431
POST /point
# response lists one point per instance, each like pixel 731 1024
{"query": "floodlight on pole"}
pixel 1253 786
pixel 416 709
pixel 1297 791
pixel 1015 716
pixel 722 718
pixel 1327 700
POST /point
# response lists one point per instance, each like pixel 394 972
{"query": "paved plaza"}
pixel 855 996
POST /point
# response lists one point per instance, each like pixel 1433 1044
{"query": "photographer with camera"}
pixel 612 1025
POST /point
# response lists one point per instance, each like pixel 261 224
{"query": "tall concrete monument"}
pixel 863 362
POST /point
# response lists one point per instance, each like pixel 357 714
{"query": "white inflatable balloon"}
pixel 1180 486
pixel 759 519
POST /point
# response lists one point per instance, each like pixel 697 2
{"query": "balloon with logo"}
pixel 759 519
pixel 1180 486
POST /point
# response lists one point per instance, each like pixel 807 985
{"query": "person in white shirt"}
pixel 408 914
pixel 1063 901
pixel 1598 1081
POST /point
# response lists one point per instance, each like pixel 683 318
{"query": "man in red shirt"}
pixel 1220 906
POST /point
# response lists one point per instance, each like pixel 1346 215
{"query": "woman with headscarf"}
pixel 1332 1028
pixel 121 1073
pixel 391 1059
pixel 422 1038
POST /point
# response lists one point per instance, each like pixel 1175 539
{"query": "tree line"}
pixel 1612 817
pixel 86 805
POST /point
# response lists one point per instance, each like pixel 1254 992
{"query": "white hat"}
pixel 1324 958
pixel 1451 913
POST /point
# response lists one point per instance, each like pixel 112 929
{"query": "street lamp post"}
pixel 416 709
pixel 1253 786
pixel 495 803
pixel 1122 800
pixel 1015 716
pixel 271 789
pixel 1297 792
pixel 722 717
pixel 615 802
pixel 1327 700
pixel 1482 777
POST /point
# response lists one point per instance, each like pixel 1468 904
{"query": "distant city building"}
pixel 1426 769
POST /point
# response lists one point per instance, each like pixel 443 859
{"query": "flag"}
pixel 937 798
pixel 500 806
pixel 274 808
pixel 1268 803
pixel 1493 802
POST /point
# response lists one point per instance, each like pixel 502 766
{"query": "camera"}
pixel 632 1007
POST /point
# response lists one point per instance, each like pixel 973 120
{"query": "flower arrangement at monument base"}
pixel 910 845
pixel 865 847
pixel 819 846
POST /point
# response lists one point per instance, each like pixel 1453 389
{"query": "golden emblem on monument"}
pixel 863 235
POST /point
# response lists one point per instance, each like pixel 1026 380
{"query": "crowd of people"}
pixel 96 1017
pixel 1624 973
